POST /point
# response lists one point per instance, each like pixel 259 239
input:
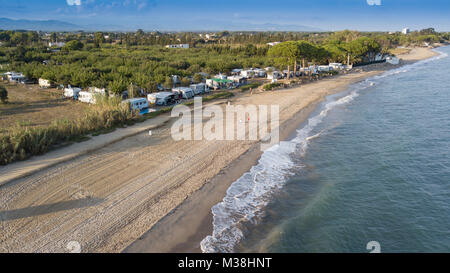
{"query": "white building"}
pixel 178 46
pixel 406 30
pixel 15 77
pixel 56 44
pixel 273 43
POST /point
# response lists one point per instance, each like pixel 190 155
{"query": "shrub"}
pixel 269 86
pixel 3 94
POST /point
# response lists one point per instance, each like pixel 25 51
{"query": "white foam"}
pixel 247 196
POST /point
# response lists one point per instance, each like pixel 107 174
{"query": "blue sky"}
pixel 236 14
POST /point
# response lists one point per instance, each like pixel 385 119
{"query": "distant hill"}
pixel 48 25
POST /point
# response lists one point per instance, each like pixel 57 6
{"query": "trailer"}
pixel 72 92
pixel 199 88
pixel 162 98
pixel 140 104
pixel 185 92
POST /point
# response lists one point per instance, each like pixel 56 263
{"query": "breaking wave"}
pixel 246 197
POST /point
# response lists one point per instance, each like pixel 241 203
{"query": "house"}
pixel 15 77
pixel 162 98
pixel 43 83
pixel 140 104
pixel 178 46
pixel 56 44
pixel 199 88
pixel 185 92
pixel 393 60
pixel 406 31
pixel 72 92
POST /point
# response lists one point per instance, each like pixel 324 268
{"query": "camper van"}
pixel 86 97
pixel 140 104
pixel 162 98
pixel 186 92
pixel 43 83
pixel 199 88
pixel 72 92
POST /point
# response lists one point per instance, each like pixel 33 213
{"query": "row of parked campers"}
pixel 177 94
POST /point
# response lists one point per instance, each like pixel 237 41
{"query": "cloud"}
pixel 374 2
pixel 74 2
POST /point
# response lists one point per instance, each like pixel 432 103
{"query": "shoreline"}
pixel 148 194
pixel 182 230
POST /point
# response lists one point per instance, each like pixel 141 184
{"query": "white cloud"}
pixel 374 2
pixel 74 2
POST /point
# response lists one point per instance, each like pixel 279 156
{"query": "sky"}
pixel 363 15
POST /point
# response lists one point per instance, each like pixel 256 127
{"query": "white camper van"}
pixel 199 88
pixel 72 92
pixel 140 104
pixel 161 98
pixel 86 97
pixel 186 92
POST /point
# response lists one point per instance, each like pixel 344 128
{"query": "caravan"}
pixel 72 92
pixel 162 98
pixel 199 88
pixel 185 92
pixel 140 104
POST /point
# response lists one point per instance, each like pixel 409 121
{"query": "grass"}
pixel 269 86
pixel 23 141
pixel 251 85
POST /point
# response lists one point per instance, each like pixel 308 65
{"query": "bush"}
pixel 248 86
pixel 3 95
pixel 269 86
pixel 20 142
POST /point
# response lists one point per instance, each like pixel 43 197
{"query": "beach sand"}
pixel 148 193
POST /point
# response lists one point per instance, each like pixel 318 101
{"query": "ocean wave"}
pixel 247 196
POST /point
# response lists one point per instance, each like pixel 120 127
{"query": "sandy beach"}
pixel 149 193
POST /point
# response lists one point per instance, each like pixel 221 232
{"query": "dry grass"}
pixel 37 107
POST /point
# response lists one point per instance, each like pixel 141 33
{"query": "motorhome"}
pixel 199 88
pixel 140 104
pixel 43 83
pixel 274 75
pixel 86 97
pixel 185 92
pixel 162 98
pixel 72 92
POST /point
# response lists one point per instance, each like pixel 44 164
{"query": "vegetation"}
pixel 271 86
pixel 19 143
pixel 3 94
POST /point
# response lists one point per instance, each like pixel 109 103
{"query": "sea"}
pixel 368 171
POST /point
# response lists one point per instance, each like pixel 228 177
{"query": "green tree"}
pixel 73 45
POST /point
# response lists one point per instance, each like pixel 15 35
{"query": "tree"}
pixel 3 95
pixel 286 52
pixel 168 83
pixel 73 45
pixel 198 78
pixel 99 39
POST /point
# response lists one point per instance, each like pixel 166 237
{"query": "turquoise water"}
pixel 372 164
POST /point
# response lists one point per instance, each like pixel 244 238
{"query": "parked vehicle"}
pixel 162 98
pixel 185 92
pixel 72 92
pixel 140 104
pixel 199 88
